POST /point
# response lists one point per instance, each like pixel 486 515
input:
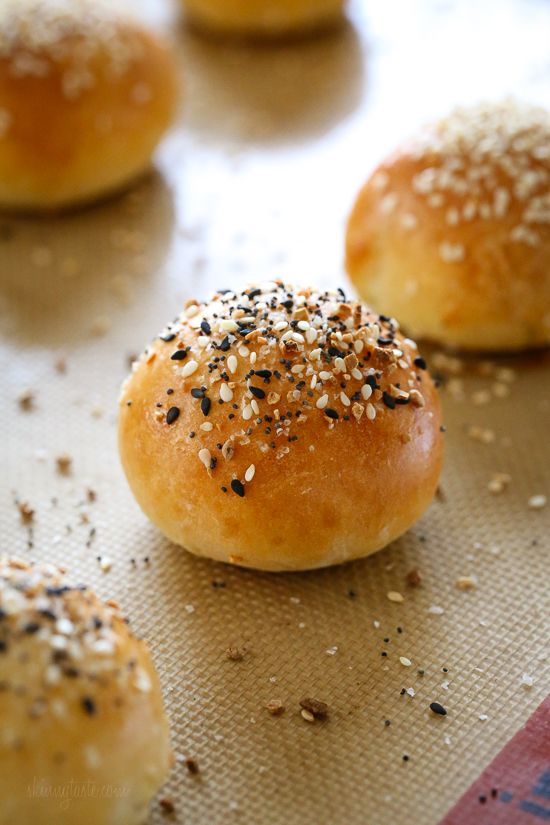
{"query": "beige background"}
pixel 255 181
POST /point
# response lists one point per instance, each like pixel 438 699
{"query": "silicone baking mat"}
pixel 254 182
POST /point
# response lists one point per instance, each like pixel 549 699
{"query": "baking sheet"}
pixel 255 181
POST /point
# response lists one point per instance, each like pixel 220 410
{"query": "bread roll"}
pixel 452 232
pixel 263 17
pixel 83 735
pixel 85 95
pixel 281 428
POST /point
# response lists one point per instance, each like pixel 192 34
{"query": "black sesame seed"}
pixel 89 705
pixel 205 405
pixel 420 363
pixel 438 709
pixel 237 487
pixel 264 373
pixel 256 391
pixel 179 355
pixel 224 346
pixel 169 337
pixel 170 392
pixel 31 628
pixel 196 392
pixel 388 400
pixel 172 415
pixel 406 757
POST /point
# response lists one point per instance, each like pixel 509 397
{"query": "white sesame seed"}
pixel 253 356
pixel 339 365
pixel 298 337
pixel 537 502
pixel 357 374
pixel 228 325
pixel 324 375
pixel 280 325
pixel 232 363
pixel 247 412
pixel 249 475
pixel 451 253
pixel 394 596
pixel 189 368
pixel 255 407
pixel 404 661
pixel 358 346
pixel 311 335
pixel 205 457
pixel 313 382
pixel 303 325
pixel 315 354
pixel 366 392
pixel 371 412
pixel 344 399
pixel 322 402
pixel 243 351
pixel 207 427
pixel 226 393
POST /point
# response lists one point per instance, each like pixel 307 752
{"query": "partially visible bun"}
pixel 451 233
pixel 281 428
pixel 267 18
pixel 83 735
pixel 85 95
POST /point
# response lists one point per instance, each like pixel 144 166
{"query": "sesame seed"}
pixel 226 393
pixel 366 392
pixel 249 475
pixel 232 363
pixel 179 355
pixel 537 502
pixel 403 659
pixel 172 415
pixel 237 487
pixel 394 596
pixel 330 413
pixel 189 369
pixel 322 402
pixel 438 709
pixel 205 457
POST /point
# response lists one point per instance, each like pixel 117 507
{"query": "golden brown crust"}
pixel 263 17
pixel 276 441
pixel 81 705
pixel 452 232
pixel 85 95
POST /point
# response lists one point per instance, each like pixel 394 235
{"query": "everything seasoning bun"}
pixel 83 735
pixel 264 18
pixel 85 95
pixel 281 428
pixel 452 232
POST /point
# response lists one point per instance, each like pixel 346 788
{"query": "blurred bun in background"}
pixel 263 18
pixel 86 92
pixel 451 233
pixel 81 706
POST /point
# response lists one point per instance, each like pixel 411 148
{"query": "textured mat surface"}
pixel 256 182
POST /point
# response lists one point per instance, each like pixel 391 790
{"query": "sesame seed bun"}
pixel 85 95
pixel 281 428
pixel 81 707
pixel 262 17
pixel 451 233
